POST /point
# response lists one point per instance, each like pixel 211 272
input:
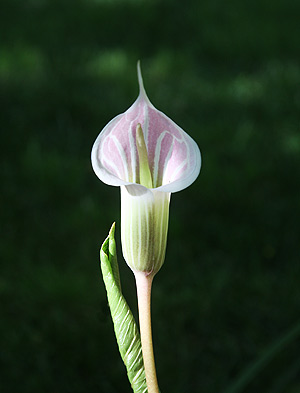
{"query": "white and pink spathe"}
pixel 174 160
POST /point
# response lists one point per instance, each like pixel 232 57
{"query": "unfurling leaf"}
pixel 126 330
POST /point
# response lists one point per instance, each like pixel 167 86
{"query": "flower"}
pixel 149 157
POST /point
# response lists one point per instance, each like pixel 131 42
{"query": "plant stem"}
pixel 143 285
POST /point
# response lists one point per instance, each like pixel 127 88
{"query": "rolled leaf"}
pixel 126 330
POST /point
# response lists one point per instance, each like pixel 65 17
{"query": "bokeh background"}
pixel 229 74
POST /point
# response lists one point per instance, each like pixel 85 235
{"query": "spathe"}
pixel 174 161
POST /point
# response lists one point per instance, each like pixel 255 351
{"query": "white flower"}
pixel 149 157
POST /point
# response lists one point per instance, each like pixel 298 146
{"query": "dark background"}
pixel 228 73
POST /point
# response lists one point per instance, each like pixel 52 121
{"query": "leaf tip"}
pixel 112 230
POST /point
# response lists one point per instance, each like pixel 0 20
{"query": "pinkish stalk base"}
pixel 143 285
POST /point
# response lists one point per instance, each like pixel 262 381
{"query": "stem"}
pixel 143 285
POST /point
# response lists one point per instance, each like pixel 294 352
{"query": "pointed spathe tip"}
pixel 140 80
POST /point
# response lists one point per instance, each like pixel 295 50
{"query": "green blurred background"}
pixel 228 73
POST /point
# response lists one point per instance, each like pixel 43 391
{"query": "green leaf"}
pixel 126 330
